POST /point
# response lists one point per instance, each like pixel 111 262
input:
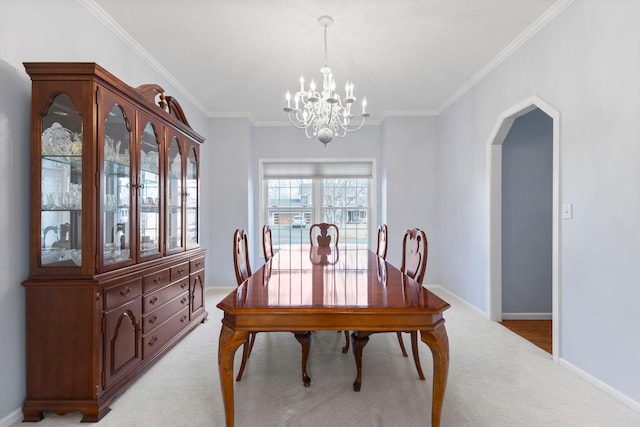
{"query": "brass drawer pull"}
pixel 153 300
pixel 183 318
pixel 183 300
pixel 153 319
pixel 126 291
pixel 153 340
pixel 183 284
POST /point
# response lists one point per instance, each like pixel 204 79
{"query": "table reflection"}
pixel 329 278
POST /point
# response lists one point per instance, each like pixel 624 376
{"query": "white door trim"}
pixel 494 185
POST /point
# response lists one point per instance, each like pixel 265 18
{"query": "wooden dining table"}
pixel 340 288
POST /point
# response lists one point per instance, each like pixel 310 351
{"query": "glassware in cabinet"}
pixel 116 187
pixel 174 196
pixel 149 194
pixel 191 203
pixel 61 185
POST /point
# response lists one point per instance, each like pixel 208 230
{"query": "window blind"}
pixel 349 169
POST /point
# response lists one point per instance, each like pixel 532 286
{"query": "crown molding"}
pixel 549 15
pixel 132 44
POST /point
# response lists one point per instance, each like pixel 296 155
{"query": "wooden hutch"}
pixel 116 269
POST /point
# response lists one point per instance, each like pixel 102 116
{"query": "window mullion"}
pixel 318 199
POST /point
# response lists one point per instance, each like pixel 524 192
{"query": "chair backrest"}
pixel 241 255
pixel 382 241
pixel 323 234
pixel 267 243
pixel 414 254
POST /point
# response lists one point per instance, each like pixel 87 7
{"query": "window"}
pixel 289 210
pixel 338 193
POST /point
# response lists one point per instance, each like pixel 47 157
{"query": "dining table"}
pixel 341 288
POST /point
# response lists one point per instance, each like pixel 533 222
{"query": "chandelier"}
pixel 323 113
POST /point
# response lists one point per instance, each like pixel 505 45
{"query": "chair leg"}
pixel 346 342
pixel 304 338
pixel 245 356
pixel 404 351
pixel 416 357
pixel 252 337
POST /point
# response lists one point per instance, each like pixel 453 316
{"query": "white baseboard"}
pixel 527 316
pixel 462 300
pixel 617 395
pixel 11 418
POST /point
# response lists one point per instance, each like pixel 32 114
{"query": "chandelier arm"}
pixel 358 127
pixel 306 131
pixel 299 126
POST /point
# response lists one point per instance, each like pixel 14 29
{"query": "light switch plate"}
pixel 567 211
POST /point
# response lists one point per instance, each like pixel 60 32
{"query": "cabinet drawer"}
pixel 179 271
pixel 155 280
pixel 156 339
pixel 154 300
pixel 197 264
pixel 157 317
pixel 119 294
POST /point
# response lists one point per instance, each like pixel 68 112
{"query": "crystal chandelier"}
pixel 324 114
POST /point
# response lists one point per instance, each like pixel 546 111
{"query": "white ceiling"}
pixel 409 57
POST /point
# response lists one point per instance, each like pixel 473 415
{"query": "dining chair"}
pixel 324 234
pixel 242 266
pixel 267 243
pixel 414 264
pixel 381 249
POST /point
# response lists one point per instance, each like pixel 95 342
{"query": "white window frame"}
pixel 364 167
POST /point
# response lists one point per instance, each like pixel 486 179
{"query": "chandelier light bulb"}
pixel 324 114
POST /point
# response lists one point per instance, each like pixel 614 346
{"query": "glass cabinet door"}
pixel 192 199
pixel 61 185
pixel 149 200
pixel 174 197
pixel 115 191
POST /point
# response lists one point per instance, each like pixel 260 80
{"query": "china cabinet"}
pixel 116 268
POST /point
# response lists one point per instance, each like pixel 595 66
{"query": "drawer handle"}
pixel 183 318
pixel 126 291
pixel 153 319
pixel 158 279
pixel 183 284
pixel 183 300
pixel 153 300
pixel 153 340
pixel 181 271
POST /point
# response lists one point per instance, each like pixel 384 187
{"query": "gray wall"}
pixel 409 153
pixel 527 176
pixel 585 64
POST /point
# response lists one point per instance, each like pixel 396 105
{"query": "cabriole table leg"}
pixel 438 342
pixel 229 342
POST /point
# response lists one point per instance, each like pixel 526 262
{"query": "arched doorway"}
pixel 494 171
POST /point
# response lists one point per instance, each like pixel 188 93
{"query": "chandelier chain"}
pixel 325 46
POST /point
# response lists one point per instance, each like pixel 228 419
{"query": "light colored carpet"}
pixel 496 379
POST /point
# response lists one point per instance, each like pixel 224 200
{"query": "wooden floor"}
pixel 536 331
